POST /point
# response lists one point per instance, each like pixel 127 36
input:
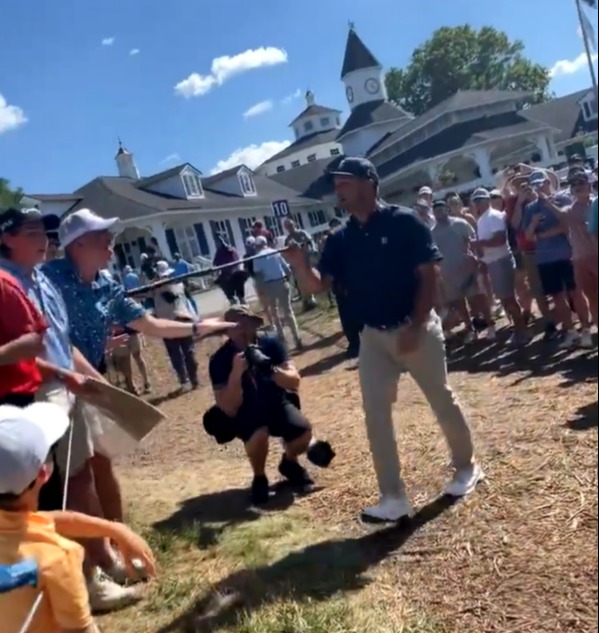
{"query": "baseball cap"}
pixel 261 241
pixel 163 269
pixel 495 193
pixel 239 313
pixel 537 177
pixel 357 167
pixel 82 222
pixel 425 191
pixel 439 202
pixel 481 194
pixel 26 438
pixel 13 219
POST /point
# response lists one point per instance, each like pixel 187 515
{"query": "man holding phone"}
pixel 554 256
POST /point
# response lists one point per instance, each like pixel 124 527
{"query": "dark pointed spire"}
pixel 357 54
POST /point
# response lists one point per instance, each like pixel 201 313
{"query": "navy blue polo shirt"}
pixel 377 263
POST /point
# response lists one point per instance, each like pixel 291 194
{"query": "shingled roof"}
pixel 371 113
pixel 311 140
pixel 314 110
pixel 357 55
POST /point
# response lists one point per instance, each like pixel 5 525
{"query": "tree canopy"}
pixel 9 197
pixel 462 58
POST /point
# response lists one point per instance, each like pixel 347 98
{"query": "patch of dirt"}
pixel 518 556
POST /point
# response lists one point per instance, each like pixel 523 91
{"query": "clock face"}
pixel 350 94
pixel 372 86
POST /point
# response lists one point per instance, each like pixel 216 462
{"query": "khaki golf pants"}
pixel 277 296
pixel 381 365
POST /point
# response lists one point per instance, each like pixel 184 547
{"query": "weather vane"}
pixel 352 26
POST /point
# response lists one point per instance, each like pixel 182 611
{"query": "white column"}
pixel 158 231
pixel 544 148
pixel 483 160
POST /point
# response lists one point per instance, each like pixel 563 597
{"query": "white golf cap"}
pixel 82 222
pixel 26 438
pixel 163 269
pixel 425 191
pixel 261 241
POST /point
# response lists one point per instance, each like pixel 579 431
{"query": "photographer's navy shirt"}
pixel 377 264
pixel 258 391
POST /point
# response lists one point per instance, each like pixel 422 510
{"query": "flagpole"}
pixel 587 47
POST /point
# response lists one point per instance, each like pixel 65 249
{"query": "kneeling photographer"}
pixel 255 385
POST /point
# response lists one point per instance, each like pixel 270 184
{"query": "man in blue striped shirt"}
pixel 273 272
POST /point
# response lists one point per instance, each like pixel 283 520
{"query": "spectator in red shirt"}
pixel 259 230
pixel 22 329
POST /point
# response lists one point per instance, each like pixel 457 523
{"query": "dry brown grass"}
pixel 519 556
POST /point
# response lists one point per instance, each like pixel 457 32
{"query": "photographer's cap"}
pixel 13 219
pixel 240 313
pixel 81 223
pixel 26 438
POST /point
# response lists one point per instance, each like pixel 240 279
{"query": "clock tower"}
pixel 362 73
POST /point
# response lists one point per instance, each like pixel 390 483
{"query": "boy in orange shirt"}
pixel 26 440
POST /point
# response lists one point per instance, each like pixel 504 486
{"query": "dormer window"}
pixel 192 184
pixel 248 188
pixel 325 121
pixel 308 126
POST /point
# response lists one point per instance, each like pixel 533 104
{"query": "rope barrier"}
pixel 200 273
pixel 38 601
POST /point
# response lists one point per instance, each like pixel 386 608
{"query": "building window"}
pixel 308 126
pixel 245 226
pixel 338 120
pixel 298 219
pixel 340 213
pixel 280 168
pixel 187 242
pixel 335 151
pixel 325 121
pixel 202 240
pixel 193 185
pixel 311 158
pixel 317 218
pixel 273 225
pixel 246 181
pixel 295 163
pixel 222 227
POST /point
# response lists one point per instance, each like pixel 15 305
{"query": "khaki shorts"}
pixel 133 347
pixel 82 444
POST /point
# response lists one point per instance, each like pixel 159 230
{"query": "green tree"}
pixel 462 58
pixel 9 197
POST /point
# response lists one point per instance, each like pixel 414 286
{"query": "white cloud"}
pixel 259 108
pixel 292 97
pixel 11 116
pixel 108 41
pixel 570 66
pixel 252 155
pixel 134 51
pixel 171 158
pixel 227 66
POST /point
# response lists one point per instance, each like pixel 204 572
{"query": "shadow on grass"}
pixel 534 361
pixel 315 573
pixel 212 514
pixel 156 401
pixel 586 418
pixel 323 365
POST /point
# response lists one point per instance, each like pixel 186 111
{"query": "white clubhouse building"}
pixel 458 145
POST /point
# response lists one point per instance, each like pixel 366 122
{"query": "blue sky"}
pixel 77 74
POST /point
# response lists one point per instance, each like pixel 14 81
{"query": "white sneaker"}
pixel 571 340
pixel 389 510
pixel 464 481
pixel 118 572
pixel 105 595
pixel 586 339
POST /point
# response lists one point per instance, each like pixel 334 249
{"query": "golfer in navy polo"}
pixel 389 263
